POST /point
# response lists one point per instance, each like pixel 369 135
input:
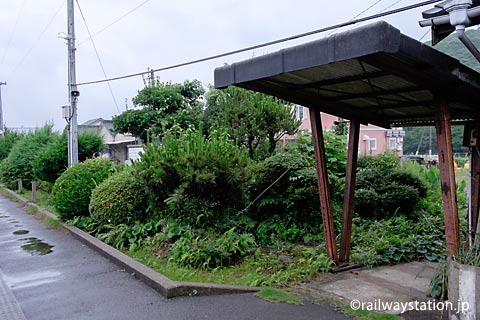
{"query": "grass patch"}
pixel 43 198
pixel 259 269
pixel 32 209
pixel 279 296
pixel 242 274
pixel 53 223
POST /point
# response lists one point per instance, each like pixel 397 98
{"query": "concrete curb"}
pixel 165 286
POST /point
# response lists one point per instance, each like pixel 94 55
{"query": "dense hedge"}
pixel 119 199
pixel 72 190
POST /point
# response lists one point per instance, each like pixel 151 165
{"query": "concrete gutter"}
pixel 165 286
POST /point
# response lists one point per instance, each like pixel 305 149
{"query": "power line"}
pixel 362 12
pixel 37 40
pixel 115 21
pixel 391 6
pixel 424 35
pixel 371 6
pixel 13 31
pixel 98 55
pixel 266 44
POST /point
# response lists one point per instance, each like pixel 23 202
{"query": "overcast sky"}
pixel 33 61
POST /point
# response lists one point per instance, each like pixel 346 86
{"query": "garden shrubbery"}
pixel 385 186
pixel 211 251
pixel 200 202
pixel 52 160
pixel 19 161
pixel 120 199
pixel 72 190
pixel 193 178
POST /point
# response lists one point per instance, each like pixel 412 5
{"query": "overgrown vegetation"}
pixel 213 198
pixel 195 179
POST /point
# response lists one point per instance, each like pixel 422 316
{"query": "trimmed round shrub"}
pixel 72 190
pixel 119 199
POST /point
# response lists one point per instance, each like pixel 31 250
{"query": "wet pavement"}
pixel 47 274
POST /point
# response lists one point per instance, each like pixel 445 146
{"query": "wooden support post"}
pixel 323 185
pixel 34 191
pixel 447 177
pixel 19 184
pixel 349 196
pixel 474 192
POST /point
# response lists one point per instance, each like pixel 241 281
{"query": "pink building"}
pixel 373 140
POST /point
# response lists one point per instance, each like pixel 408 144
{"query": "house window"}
pixel 299 112
pixel 392 143
pixel 372 144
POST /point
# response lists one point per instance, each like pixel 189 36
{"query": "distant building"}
pixel 373 140
pixel 117 144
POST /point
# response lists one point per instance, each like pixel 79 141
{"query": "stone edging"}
pixel 167 287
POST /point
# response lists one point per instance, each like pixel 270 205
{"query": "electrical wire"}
pixel 358 15
pixel 37 40
pixel 115 21
pixel 391 6
pixel 13 31
pixel 98 55
pixel 266 44
pixel 424 35
pixel 383 10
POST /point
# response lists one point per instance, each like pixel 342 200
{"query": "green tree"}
pixel 7 140
pixel 419 137
pixel 19 161
pixel 52 160
pixel 162 105
pixel 250 117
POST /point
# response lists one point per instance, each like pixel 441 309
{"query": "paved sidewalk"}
pixel 386 285
pixel 47 274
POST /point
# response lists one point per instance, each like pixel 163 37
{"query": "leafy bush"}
pixel 52 160
pixel 124 236
pixel 211 252
pixel 7 140
pixel 193 178
pixel 119 199
pixel 384 187
pixel 384 161
pixel 398 239
pixel 285 189
pixel 19 161
pixel 72 190
pixel 286 186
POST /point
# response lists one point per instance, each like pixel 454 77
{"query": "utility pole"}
pixel 1 109
pixel 73 93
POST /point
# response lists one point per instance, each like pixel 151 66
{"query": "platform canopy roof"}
pixel 374 74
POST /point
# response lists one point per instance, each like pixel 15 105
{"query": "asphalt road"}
pixel 47 274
